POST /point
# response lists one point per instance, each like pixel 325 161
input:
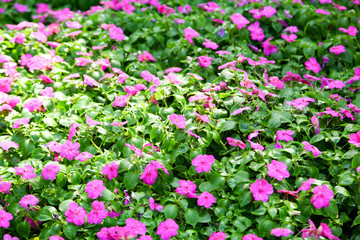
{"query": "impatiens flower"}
pixel 268 48
pixel 190 34
pixel 203 118
pixel 287 192
pixel 48 92
pixel 69 150
pixel 150 174
pixel 251 237
pixel 306 186
pixel 330 112
pixel 178 120
pixel 121 101
pixel 217 236
pixel 56 237
pixel 9 237
pixel 4 186
pixel 28 200
pixel 98 213
pixel 146 56
pixel 203 163
pixel 95 188
pixel 172 77
pixel 256 146
pixel 284 135
pixel 179 20
pixel 145 237
pixel 135 226
pixel 322 11
pixel 313 232
pixel 311 148
pixel 239 20
pixel 90 121
pixel 5 217
pixel 281 232
pixel 75 214
pixel 240 110
pixel 210 44
pixel 6 145
pixel 256 32
pixel 165 10
pixel 26 172
pixel 278 170
pixel 313 65
pixel 90 81
pixel 354 139
pixel 154 205
pixel 261 190
pixel 206 199
pixel 325 231
pixel 111 170
pixel 21 8
pixel 33 104
pixel 5 85
pixel 236 143
pixel 205 61
pixel 300 103
pixel 352 31
pixel 167 229
pixel 82 157
pixel 50 171
pixel 337 50
pixel 72 132
pixel 187 188
pixel 137 151
pixel 322 196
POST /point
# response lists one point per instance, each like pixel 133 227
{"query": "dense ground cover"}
pixel 190 120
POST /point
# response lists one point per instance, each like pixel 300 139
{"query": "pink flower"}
pixel 48 92
pixel 240 110
pixel 322 11
pixel 268 48
pixel 26 172
pixel 33 104
pixel 150 174
pixel 261 190
pixel 222 52
pixel 236 143
pixel 82 157
pixel 206 199
pixel 278 170
pixel 354 139
pixel 179 20
pixel 90 121
pixel 9 237
pixel 165 10
pixel 311 148
pixel 98 213
pixel 278 232
pixel 187 188
pixel 154 205
pixel 172 77
pixel 74 25
pixel 5 85
pixel 325 231
pixel 69 150
pixel 56 237
pixel 111 170
pixel 322 196
pixel 256 32
pixel 203 118
pixel 203 163
pixel 4 186
pixel 75 214
pixel 116 33
pixel 239 20
pixel 146 56
pixel 251 237
pixel 21 8
pixel 190 34
pixel 167 229
pixel 135 226
pixel 284 135
pixel 337 50
pixel 289 38
pixel 90 81
pixel 310 232
pixel 50 171
pixel 121 101
pixel 5 217
pixel 306 186
pixel 300 103
pixel 138 152
pixel 313 65
pixel 210 44
pixel 72 131
pixel 205 61
pixel 178 120
pixel 352 31
pixel 95 188
pixel 6 145
pixel 330 112
pixel 145 237
pixel 28 200
pixel 217 236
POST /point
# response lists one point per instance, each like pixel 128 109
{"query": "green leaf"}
pixel 192 216
pixel 265 226
pixel 206 187
pixel 356 221
pixel 171 211
pixel 277 118
pixel 356 161
pixel 61 179
pixel 242 223
pixel 108 195
pixel 70 231
pixel 65 205
pixel 217 181
pixel 27 147
pixel 131 179
pixel 228 125
pixel 23 228
pixel 44 215
pixel 317 138
pixel 49 122
pixel 244 198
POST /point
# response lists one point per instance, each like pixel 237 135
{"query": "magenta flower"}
pixel 306 186
pixel 172 77
pixel 313 65
pixel 316 124
pixel 178 120
pixel 352 31
pixel 323 230
pixel 98 213
pixel 21 8
pixel 138 152
pixel 4 186
pixel 116 33
pixel 48 92
pixel 33 104
pixel 90 81
pixel 69 150
pixel 322 196
pixel 300 103
pixel 190 34
pixel 278 232
pixel 205 61
pixel 239 20
pixel 240 110
pixel 256 146
pixel 251 237
pixel 268 48
pixel 72 132
pixel 154 205
pixel 121 101
pixel 236 143
pixel 25 172
pixel 75 214
pixel 210 44
pixel 337 50
pixel 82 157
pixel 206 199
pixel 5 85
pixel 278 170
pixel 5 217
pixel 354 139
pixel 217 236
pixel 187 188
pixel 135 226
pixel 50 171
pixel 6 145
pixel 203 163
pixel 261 190
pixel 203 118
pixel 150 174
pixel 28 200
pixel 111 170
pixel 311 148
pixel 322 11
pixel 167 229
pixel 95 188
pixel 146 56
pixel 56 237
pixel 9 237
pixel 284 135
